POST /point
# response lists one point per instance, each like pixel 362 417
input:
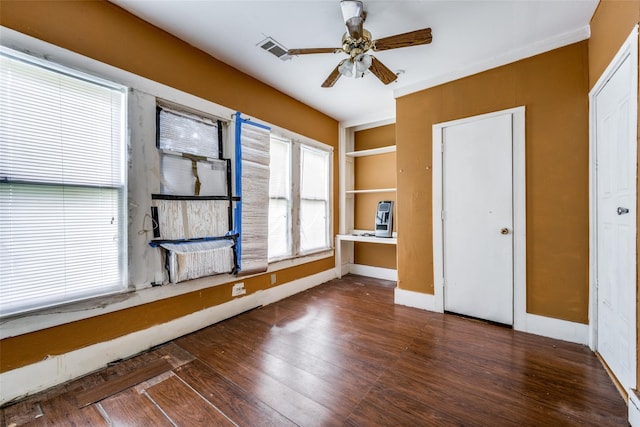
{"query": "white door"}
pixel 616 224
pixel 478 218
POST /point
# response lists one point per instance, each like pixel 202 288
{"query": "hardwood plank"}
pixel 63 410
pixel 347 375
pixel 271 314
pixel 318 326
pixel 184 407
pixel 328 394
pixel 374 302
pixel 391 408
pixel 295 406
pixel 132 408
pixel 343 354
pixel 174 354
pixel 499 358
pixel 378 316
pixel 116 385
pixel 328 362
pixel 462 394
pixel 228 331
pixel 324 337
pixel 21 413
pixel 512 376
pixel 240 406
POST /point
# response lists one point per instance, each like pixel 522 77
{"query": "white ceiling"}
pixel 468 37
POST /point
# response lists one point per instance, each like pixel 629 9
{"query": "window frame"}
pixel 328 199
pixel 297 143
pixel 120 189
pixel 216 157
pixel 288 199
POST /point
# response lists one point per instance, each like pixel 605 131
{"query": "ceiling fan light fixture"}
pixel 363 63
pixel 346 68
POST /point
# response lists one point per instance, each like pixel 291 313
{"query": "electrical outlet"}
pixel 273 278
pixel 238 289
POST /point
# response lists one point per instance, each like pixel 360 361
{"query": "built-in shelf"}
pixel 367 239
pixel 372 190
pixel 357 236
pixel 372 152
pixel 349 237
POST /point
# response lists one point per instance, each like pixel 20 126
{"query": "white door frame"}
pixel 519 213
pixel 628 49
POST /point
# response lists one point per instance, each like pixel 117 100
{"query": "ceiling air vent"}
pixel 275 48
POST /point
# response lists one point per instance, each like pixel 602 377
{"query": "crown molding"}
pixel 511 56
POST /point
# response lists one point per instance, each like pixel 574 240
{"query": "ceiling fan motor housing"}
pixel 354 47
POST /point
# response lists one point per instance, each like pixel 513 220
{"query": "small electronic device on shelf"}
pixel 384 219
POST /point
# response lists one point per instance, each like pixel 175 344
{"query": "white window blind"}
pixel 62 185
pixel 279 199
pixel 314 199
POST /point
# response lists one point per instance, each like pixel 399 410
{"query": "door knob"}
pixel 504 230
pixel 622 211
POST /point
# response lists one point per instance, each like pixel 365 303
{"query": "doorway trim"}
pixel 519 212
pixel 629 49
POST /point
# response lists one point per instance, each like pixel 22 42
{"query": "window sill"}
pixel 281 263
pixel 142 294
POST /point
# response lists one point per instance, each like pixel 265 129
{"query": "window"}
pixel 299 198
pixel 279 198
pixel 314 199
pixel 62 185
pixel 190 160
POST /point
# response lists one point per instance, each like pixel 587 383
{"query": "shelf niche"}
pixel 369 177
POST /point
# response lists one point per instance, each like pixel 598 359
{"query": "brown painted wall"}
pixel 374 172
pixel 381 136
pixel 29 348
pixel 553 87
pixel 103 31
pixel 611 24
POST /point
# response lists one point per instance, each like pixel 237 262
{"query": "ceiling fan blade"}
pixel 353 15
pixel 333 77
pixel 412 38
pixel 314 50
pixel 381 71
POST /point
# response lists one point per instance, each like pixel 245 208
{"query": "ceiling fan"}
pixel 356 42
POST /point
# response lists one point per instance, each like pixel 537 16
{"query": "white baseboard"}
pixel 269 296
pixel 343 269
pixel 534 324
pixel 377 272
pixel 556 328
pixel 415 299
pixel 57 369
pixel 634 409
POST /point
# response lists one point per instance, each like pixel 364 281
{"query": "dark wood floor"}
pixel 341 354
